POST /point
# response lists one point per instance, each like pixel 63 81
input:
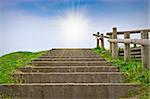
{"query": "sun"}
pixel 73 27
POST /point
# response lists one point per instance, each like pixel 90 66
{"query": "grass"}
pixel 10 62
pixel 133 69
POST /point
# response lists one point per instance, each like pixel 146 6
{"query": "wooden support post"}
pixel 134 45
pixel 127 47
pixel 110 37
pixel 114 45
pixel 102 41
pixel 145 51
pixel 97 40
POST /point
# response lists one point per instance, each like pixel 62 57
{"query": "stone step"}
pixel 70 59
pixel 78 53
pixel 71 77
pixel 46 69
pixel 68 90
pixel 68 49
pixel 70 63
pixel 58 56
pixel 68 74
pixel 71 54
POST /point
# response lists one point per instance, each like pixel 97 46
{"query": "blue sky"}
pixel 32 25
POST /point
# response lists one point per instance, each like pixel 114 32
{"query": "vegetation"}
pixel 10 62
pixel 133 69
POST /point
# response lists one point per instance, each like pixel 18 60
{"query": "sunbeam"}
pixel 73 26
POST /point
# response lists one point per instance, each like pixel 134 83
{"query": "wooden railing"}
pixel 101 38
pixel 144 42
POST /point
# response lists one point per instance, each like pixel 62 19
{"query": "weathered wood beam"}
pixel 131 41
pixel 114 44
pixel 110 44
pixel 101 38
pixel 96 35
pixel 145 49
pixel 97 41
pixel 106 36
pixel 131 31
pixel 102 41
pixel 127 47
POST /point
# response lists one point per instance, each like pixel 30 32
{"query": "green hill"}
pixel 10 62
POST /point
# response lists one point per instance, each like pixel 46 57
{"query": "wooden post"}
pixel 127 47
pixel 148 60
pixel 134 45
pixel 110 37
pixel 114 45
pixel 145 51
pixel 97 40
pixel 102 41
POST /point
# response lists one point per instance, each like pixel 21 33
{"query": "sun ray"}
pixel 73 27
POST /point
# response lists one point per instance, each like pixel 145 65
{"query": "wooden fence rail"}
pixel 145 49
pixel 131 32
pixel 144 42
pixel 131 41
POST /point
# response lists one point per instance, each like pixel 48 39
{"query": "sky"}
pixel 33 25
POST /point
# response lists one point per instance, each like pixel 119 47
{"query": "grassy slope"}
pixel 135 73
pixel 10 62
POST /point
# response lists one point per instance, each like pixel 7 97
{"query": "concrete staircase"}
pixel 69 74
